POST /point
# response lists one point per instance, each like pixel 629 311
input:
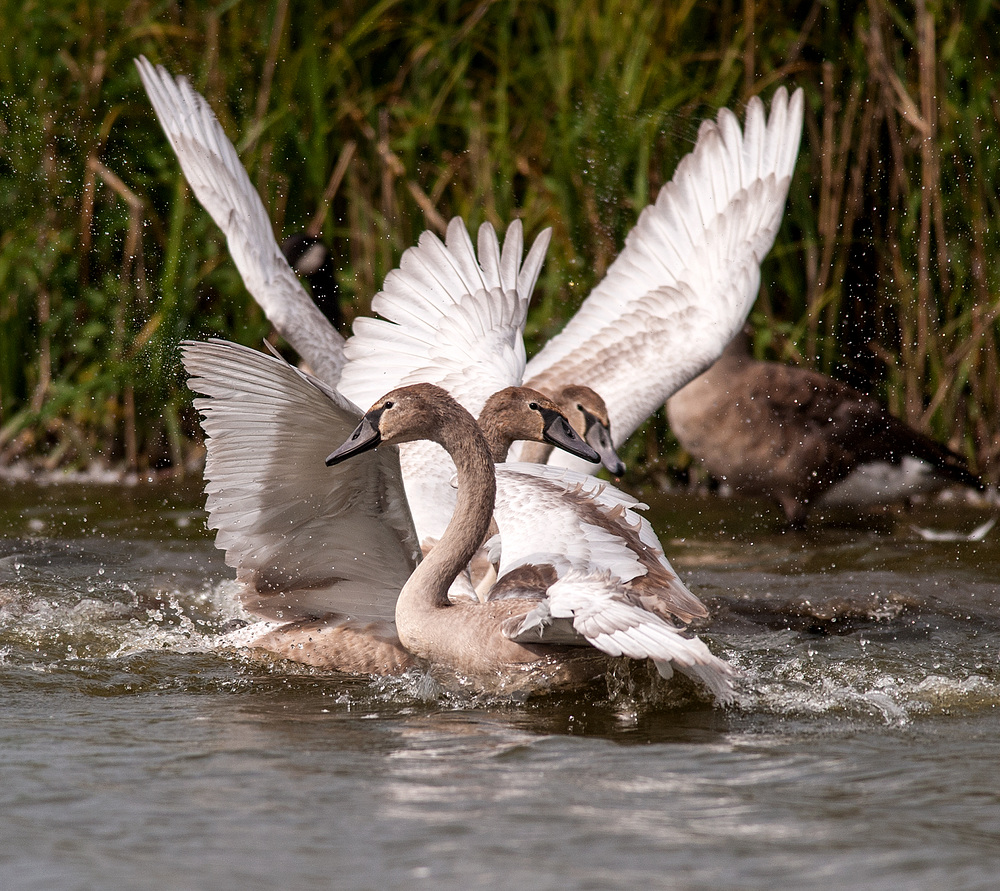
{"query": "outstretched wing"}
pixel 219 181
pixel 574 522
pixel 596 568
pixel 451 319
pixel 306 539
pixel 448 318
pixel 689 272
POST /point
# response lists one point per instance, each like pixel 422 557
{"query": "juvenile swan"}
pixel 680 289
pixel 330 550
pixel 508 632
pixel 467 335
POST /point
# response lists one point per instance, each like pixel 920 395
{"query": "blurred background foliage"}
pixel 371 122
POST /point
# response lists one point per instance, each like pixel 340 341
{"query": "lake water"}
pixel 863 751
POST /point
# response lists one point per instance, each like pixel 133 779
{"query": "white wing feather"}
pixel 305 539
pixel 689 272
pixel 448 318
pixel 451 319
pixel 549 516
pixel 573 521
pixel 220 182
pixel 600 614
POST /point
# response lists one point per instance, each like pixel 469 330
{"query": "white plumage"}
pixel 681 287
pixel 310 541
pixel 220 182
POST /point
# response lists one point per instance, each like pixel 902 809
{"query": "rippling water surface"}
pixel 863 750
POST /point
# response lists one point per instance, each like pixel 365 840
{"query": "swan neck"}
pixel 497 436
pixel 427 588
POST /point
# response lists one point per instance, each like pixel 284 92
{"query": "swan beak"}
pixel 599 437
pixel 558 431
pixel 365 436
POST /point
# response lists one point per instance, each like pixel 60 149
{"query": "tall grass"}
pixel 371 122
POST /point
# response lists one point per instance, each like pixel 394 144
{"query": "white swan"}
pixel 578 567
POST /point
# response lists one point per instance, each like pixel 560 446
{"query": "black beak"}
pixel 599 437
pixel 365 436
pixel 558 431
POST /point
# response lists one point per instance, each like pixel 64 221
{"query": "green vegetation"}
pixel 568 114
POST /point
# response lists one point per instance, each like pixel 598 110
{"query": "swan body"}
pixel 791 434
pixel 287 528
pixel 622 610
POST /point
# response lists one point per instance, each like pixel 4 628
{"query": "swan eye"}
pixel 533 406
pixel 580 408
pixel 388 404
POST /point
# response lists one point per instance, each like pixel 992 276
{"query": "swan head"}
pixel 520 413
pixel 588 413
pixel 417 411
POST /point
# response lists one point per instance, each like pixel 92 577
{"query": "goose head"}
pixel 587 412
pixel 521 413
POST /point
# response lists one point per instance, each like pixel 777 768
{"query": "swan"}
pixel 336 557
pixel 790 434
pixel 669 304
pixel 221 184
pixel 587 412
pixel 679 291
pixel 509 631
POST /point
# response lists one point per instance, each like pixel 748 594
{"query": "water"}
pixel 862 752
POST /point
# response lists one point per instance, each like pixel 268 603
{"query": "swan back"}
pixel 579 566
pixel 790 433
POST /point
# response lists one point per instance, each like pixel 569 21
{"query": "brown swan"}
pixel 330 551
pixel 488 641
pixel 587 412
pixel 680 288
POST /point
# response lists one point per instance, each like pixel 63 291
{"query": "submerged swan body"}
pixel 790 434
pixel 330 551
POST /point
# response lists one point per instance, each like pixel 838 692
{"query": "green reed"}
pixel 567 114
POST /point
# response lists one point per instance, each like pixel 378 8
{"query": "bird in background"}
pixel 792 435
pixel 310 258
